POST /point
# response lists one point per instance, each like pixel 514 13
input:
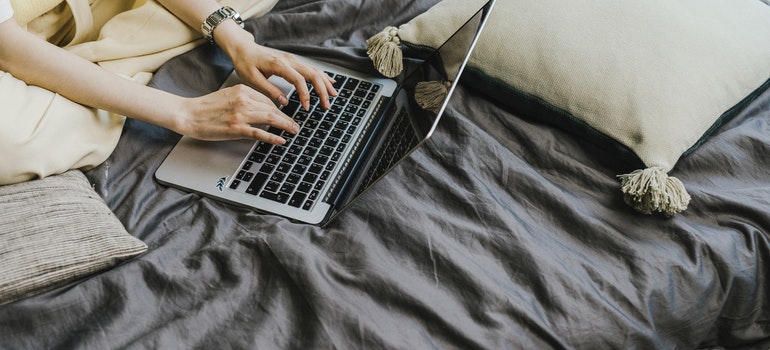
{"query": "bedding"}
pixel 502 232
pixel 650 78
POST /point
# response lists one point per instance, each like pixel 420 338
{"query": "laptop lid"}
pixel 409 122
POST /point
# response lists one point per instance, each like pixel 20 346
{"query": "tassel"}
pixel 385 52
pixel 430 95
pixel 652 190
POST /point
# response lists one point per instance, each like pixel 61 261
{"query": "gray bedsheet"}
pixel 501 233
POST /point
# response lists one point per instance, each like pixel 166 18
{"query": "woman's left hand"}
pixel 255 64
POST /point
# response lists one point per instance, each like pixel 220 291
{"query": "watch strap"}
pixel 216 18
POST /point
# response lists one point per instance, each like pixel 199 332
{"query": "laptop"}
pixel 339 153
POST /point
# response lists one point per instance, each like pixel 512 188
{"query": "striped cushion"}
pixel 56 230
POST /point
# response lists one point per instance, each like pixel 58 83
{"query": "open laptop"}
pixel 373 124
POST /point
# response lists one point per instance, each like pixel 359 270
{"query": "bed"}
pixel 500 233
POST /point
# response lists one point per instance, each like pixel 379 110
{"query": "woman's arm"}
pixel 255 63
pixel 225 114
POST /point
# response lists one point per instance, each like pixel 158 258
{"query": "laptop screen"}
pixel 427 83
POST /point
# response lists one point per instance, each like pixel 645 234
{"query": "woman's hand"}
pixel 236 112
pixel 255 64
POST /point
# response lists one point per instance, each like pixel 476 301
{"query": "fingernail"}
pixel 282 100
pixel 295 127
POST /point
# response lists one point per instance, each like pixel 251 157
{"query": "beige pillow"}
pixel 54 231
pixel 654 77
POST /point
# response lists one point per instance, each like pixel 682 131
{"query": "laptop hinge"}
pixel 356 156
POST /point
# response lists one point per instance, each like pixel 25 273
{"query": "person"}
pixel 232 113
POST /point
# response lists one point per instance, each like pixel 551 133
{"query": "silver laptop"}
pixel 338 153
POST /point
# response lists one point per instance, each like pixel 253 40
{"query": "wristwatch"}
pixel 216 18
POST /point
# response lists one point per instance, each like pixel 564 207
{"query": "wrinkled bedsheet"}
pixel 501 233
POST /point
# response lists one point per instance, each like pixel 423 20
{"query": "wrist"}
pixel 177 110
pixel 232 39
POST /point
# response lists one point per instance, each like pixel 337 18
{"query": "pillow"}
pixel 652 77
pixel 56 230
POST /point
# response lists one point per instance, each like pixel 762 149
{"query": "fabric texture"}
pixel 128 38
pixel 27 10
pixel 650 78
pixel 37 137
pixel 54 231
pixel 499 233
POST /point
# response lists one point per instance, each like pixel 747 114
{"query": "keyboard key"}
pixel 267 168
pixel 277 197
pixel 272 186
pixel 290 108
pixel 284 167
pixel 294 178
pixel 321 159
pixel 315 142
pixel 260 179
pixel 310 177
pixel 278 177
pixel 300 141
pixel 351 83
pixel 321 134
pixel 316 168
pixel 297 199
pixel 332 141
pixel 279 151
pixel 304 187
pixel 288 188
pixel 257 183
pixel 305 160
pixel 264 148
pixel 256 157
pixel 299 169
pixel 272 159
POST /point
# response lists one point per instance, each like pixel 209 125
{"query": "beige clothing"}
pixel 43 133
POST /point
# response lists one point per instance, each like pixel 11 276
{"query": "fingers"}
pixel 300 73
pixel 247 111
pixel 324 87
pixel 294 71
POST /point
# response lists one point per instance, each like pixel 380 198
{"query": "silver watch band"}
pixel 216 18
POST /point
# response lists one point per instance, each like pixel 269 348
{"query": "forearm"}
pixel 39 63
pixel 228 35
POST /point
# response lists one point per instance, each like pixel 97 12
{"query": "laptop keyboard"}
pixel 399 140
pixel 295 173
